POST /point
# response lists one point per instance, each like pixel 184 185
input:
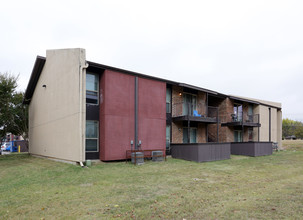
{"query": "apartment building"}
pixel 81 110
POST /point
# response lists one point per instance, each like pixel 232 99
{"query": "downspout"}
pixel 206 113
pixel 258 127
pixel 81 112
pixel 217 125
pixel 269 110
pixel 242 125
pixel 136 113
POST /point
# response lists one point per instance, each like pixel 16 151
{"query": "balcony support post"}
pixel 242 125
pixel 258 128
pixel 217 125
pixel 188 131
pixel 206 107
pixel 206 131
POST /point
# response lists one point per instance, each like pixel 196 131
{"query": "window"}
pixel 168 98
pixel 250 113
pixel 168 137
pixel 91 141
pixel 192 135
pixel 189 104
pixel 237 112
pixel 92 87
pixel 238 136
pixel 250 134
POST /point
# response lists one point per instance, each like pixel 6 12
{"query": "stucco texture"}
pixel 56 111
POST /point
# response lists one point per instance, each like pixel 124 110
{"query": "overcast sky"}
pixel 246 48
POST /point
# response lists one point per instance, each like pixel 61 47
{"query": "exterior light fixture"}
pixel 180 93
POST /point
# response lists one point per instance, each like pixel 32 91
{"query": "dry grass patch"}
pixel 296 145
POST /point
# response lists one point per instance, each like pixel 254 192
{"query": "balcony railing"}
pixel 195 110
pixel 243 118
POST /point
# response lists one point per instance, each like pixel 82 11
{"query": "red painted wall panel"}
pixel 152 114
pixel 116 115
pixel 117 120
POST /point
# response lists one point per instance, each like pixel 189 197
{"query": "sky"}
pixel 245 48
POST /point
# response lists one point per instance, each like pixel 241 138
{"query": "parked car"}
pixel 6 146
pixel 3 147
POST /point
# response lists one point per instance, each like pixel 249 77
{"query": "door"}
pixel 238 112
pixel 189 104
pixel 250 113
pixel 192 135
pixel 238 136
pixel 168 127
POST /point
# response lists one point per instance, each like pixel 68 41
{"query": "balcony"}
pixel 194 112
pixel 242 120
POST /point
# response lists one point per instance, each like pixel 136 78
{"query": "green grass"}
pixel 269 187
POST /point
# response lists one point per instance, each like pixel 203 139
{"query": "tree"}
pixel 287 127
pixel 291 127
pixel 299 131
pixel 13 114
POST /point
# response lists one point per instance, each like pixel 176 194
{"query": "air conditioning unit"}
pixel 137 158
pixel 157 156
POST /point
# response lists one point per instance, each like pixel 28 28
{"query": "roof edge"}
pixel 36 72
pixel 102 66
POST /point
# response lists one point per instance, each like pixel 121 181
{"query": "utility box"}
pixel 157 156
pixel 137 158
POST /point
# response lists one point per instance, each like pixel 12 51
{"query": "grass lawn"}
pixel 269 187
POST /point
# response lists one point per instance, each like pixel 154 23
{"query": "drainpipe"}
pixel 217 125
pixel 136 113
pixel 81 164
pixel 258 127
pixel 242 125
pixel 269 110
pixel 81 111
pixel 188 131
pixel 206 109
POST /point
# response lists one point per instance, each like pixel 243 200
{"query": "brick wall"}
pixel 201 135
pixel 201 103
pixel 177 132
pixel 245 135
pixel 177 101
pixel 226 134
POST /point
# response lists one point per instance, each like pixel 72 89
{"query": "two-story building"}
pixel 81 110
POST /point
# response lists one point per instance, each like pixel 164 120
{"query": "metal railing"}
pixel 245 118
pixel 212 112
pixel 196 110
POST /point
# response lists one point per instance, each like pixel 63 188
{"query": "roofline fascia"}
pixel 254 102
pixel 35 75
pixel 40 61
pixel 105 67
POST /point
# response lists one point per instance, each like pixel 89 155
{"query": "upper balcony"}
pixel 242 119
pixel 194 112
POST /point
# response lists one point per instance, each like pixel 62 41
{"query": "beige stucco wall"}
pixel 279 128
pixel 57 112
pixel 276 124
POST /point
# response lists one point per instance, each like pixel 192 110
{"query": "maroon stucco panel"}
pixel 152 114
pixel 117 114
